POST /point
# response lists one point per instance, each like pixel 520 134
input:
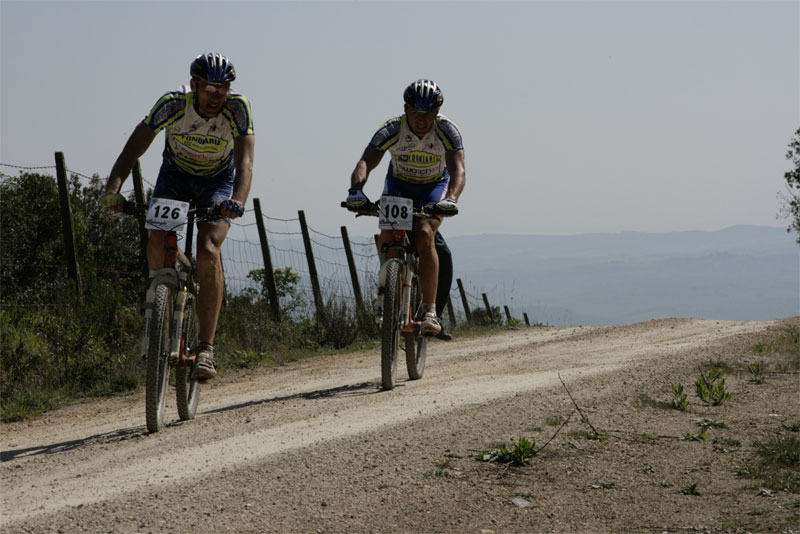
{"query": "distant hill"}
pixel 739 273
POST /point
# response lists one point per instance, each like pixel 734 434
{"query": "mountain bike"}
pixel 170 335
pixel 399 290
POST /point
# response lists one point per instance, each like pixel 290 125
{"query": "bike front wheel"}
pixel 390 329
pixel 157 358
pixel 186 389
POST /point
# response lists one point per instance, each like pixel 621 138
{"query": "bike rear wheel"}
pixel 186 389
pixel 390 329
pixel 416 345
pixel 157 358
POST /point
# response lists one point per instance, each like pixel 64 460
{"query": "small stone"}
pixel 522 502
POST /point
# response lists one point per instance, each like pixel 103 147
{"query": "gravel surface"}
pixel 316 446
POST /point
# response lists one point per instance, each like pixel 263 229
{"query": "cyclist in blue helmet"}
pixel 427 166
pixel 208 159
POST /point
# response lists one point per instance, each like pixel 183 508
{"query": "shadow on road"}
pixel 124 434
pixel 350 390
pixel 55 448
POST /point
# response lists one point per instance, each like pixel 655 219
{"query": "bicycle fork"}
pixel 405 314
pixel 405 318
pixel 166 276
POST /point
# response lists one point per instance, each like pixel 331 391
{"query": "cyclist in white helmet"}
pixel 427 166
pixel 208 158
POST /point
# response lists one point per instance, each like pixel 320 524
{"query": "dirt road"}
pixel 316 446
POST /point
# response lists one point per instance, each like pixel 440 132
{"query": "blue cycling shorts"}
pixel 421 194
pixel 204 191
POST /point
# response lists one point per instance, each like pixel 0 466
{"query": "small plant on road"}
pixel 690 490
pixel 554 420
pixel 711 388
pixel 700 436
pixel 678 401
pixel 791 427
pixel 757 370
pixel 780 451
pixel 779 467
pixel 793 334
pixel 723 444
pixel 440 471
pixel 516 454
pixel 710 423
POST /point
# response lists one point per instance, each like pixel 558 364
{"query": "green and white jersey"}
pixel 194 144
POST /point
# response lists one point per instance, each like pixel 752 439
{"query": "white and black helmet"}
pixel 423 95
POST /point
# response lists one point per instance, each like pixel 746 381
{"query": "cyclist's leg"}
pixel 207 193
pixel 210 235
pixel 209 299
pixel 155 248
pixel 424 232
pixel 445 280
pixel 210 277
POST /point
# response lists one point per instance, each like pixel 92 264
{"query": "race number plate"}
pixel 166 214
pixel 397 213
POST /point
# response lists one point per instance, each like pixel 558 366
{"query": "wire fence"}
pixel 242 258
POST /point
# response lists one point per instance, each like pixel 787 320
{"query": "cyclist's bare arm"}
pixel 458 175
pixel 137 145
pixel 243 153
pixel 369 160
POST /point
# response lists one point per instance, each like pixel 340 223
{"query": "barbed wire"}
pixel 242 255
pixel 27 168
pixel 311 229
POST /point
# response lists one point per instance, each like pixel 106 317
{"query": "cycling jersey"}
pixel 196 145
pixel 416 160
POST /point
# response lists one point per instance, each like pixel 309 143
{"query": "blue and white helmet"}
pixel 423 95
pixel 213 68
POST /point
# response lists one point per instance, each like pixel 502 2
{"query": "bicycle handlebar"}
pixel 140 208
pixel 373 209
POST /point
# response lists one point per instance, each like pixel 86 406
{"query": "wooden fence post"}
pixel 464 300
pixel 508 314
pixel 525 315
pixel 488 308
pixel 312 267
pixel 67 225
pixel 269 274
pixel 351 263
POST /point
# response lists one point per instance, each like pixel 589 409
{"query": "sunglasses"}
pixel 216 89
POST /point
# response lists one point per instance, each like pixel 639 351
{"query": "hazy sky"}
pixel 576 116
